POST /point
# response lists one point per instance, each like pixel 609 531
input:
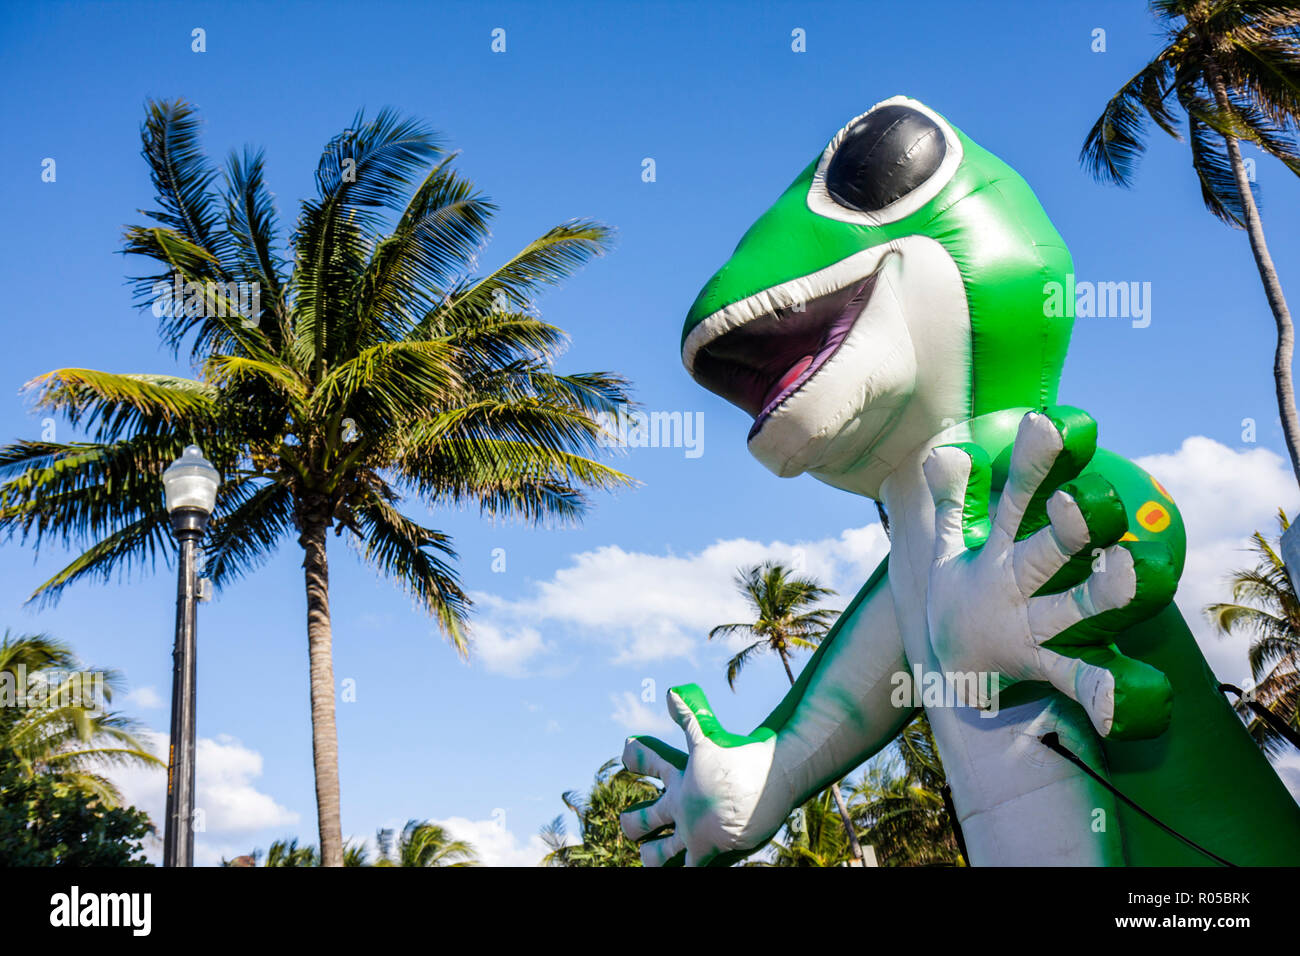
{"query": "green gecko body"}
pixel 902 279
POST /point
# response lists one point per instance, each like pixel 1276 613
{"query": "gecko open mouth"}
pixel 760 364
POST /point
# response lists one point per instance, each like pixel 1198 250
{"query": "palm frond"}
pixel 399 380
pixel 82 490
pixel 1269 611
pixel 739 660
pixel 1210 159
pixel 418 558
pixel 443 227
pixel 500 345
pixel 513 286
pixel 182 177
pixel 135 545
pixel 1261 58
pixel 726 630
pixel 1117 140
pixel 109 404
pixel 507 479
pixel 189 300
pixel 251 222
pixel 246 528
pixel 35 652
pixel 225 370
pixel 362 172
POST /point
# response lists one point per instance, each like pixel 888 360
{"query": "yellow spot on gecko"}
pixel 1160 488
pixel 1129 536
pixel 1153 516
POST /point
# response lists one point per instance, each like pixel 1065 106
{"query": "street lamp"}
pixel 190 483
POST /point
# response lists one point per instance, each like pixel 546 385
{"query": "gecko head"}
pixel 897 287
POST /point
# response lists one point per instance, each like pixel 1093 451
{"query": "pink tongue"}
pixel 788 379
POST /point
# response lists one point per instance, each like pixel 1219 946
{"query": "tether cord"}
pixel 1053 742
pixel 956 824
pixel 1263 713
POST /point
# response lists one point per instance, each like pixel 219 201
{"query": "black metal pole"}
pixel 178 839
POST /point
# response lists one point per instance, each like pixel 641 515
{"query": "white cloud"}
pixel 224 773
pixel 636 716
pixel 649 607
pixel 1224 492
pixel 494 844
pixel 146 698
pixel 224 788
pixel 505 649
pixel 1287 766
pixel 642 607
pixel 1224 495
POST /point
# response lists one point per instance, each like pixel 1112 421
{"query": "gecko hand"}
pixel 720 798
pixel 1040 592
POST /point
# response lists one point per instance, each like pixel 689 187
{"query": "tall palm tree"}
pixel 788 618
pixel 1266 607
pixel 1232 68
pixel 900 803
pixel 424 844
pixel 602 841
pixel 62 730
pixel 377 366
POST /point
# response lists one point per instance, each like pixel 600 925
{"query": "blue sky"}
pixel 554 128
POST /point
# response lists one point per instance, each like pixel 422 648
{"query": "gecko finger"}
pixel 959 478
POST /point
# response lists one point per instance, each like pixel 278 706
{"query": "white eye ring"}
pixel 821 202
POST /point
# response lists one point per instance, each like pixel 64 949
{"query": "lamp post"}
pixel 190 483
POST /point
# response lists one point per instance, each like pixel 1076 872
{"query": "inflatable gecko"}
pixel 884 324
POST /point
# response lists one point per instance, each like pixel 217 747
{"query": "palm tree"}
pixel 787 616
pixel 424 844
pixel 1233 68
pixel 1267 608
pixel 376 367
pixel 614 791
pixel 355 854
pixel 813 836
pixel 282 853
pixel 900 803
pixel 787 619
pixel 289 853
pixel 62 730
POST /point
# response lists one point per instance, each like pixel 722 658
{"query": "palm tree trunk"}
pixel 324 734
pixel 855 847
pixel 1282 379
pixel 786 661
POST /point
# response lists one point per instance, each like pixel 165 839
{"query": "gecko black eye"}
pixel 883 157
